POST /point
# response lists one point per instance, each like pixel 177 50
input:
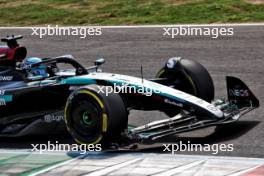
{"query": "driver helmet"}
pixel 38 71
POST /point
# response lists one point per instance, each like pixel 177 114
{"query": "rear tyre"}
pixel 188 76
pixel 92 117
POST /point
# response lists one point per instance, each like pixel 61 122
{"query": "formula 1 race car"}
pixel 95 105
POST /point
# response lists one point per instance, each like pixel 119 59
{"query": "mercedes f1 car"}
pixel 95 105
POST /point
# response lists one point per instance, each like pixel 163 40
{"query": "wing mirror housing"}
pixel 99 62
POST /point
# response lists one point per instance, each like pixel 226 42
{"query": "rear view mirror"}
pixel 99 62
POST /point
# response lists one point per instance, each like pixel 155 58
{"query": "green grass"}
pixel 117 12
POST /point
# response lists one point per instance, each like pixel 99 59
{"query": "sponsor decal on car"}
pixel 4 98
pixel 239 92
pixel 53 117
pixel 2 102
pixel 173 103
pixel 6 78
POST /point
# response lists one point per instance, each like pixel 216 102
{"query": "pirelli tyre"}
pixel 188 76
pixel 93 117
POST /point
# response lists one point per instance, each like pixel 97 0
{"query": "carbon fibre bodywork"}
pixel 23 102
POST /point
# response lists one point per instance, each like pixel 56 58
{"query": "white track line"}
pixel 113 168
pixel 244 171
pixel 55 166
pixel 196 160
pixel 179 169
pixel 141 26
pixel 29 151
pixel 229 158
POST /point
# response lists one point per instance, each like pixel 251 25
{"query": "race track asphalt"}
pixel 126 49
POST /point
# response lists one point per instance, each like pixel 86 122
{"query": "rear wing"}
pixel 239 93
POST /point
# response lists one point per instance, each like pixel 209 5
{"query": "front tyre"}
pixel 92 117
pixel 188 76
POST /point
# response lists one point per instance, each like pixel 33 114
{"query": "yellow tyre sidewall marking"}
pixel 94 96
pixel 188 77
pixel 192 83
pixel 160 73
pixel 104 115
